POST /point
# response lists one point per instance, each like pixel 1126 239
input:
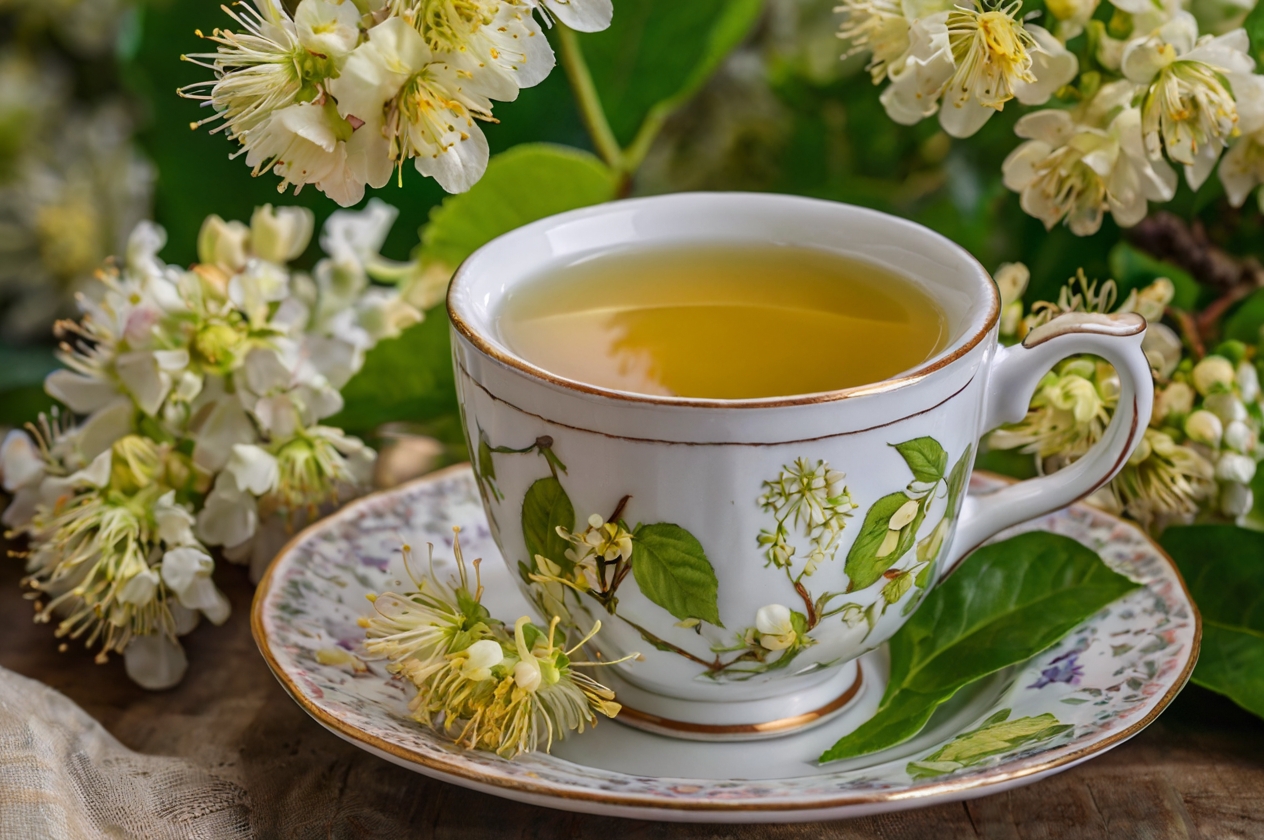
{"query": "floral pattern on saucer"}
pixel 1101 684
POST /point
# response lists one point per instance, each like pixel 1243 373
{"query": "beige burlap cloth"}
pixel 63 776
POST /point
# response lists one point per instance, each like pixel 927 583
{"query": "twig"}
pixel 1169 237
pixel 1189 331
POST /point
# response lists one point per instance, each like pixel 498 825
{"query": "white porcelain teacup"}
pixel 752 582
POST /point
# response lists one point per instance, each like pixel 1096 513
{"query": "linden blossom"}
pixel 341 94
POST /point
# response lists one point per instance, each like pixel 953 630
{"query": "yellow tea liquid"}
pixel 723 322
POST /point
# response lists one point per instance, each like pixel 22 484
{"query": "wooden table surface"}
pixel 1198 772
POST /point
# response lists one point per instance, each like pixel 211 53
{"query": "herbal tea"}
pixel 723 322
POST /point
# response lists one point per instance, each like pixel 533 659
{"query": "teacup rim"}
pixel 950 354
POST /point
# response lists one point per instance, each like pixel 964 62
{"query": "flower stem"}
pixel 589 101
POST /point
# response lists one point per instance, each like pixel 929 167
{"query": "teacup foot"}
pixel 751 720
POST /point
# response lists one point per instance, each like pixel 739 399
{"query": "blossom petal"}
pixel 155 662
pixel 81 394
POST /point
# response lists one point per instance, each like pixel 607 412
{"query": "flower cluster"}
pixel 1147 94
pixel 343 92
pixel 72 182
pixel 812 499
pixel 489 686
pixel 1199 455
pixel 203 391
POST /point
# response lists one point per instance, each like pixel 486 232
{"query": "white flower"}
pixel 1163 349
pixel 1248 380
pixel 1242 168
pixel 187 572
pixel 1198 90
pixel 882 28
pixel 976 61
pixel 149 375
pixel 230 516
pixel 1225 405
pixel 175 523
pixel 580 15
pixel 1076 166
pixel 280 234
pixel 1072 16
pixel 309 143
pixel 155 662
pixel 81 394
pixel 253 469
pixel 502 38
pixel 328 28
pixel 1236 499
pixel 140 589
pixel 22 463
pixel 776 629
pixel 431 104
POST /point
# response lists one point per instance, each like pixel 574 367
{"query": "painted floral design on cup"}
pixel 581 569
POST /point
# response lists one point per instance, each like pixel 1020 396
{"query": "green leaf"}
pixel 486 467
pixel 406 378
pixel 526 183
pixel 897 587
pixel 672 570
pixel 996 736
pixel 957 479
pixel 1254 25
pixel 1223 570
pixel 1245 322
pixel 1134 269
pixel 864 566
pixel 1006 603
pixel 545 507
pixel 925 457
pixel 658 53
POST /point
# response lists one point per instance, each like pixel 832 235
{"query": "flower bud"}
pixel 1236 499
pixel 1214 373
pixel 1153 299
pixel 1204 427
pixel 1011 280
pixel 1235 467
pixel 1144 450
pixel 483 655
pixel 1226 406
pixel 282 234
pixel 1078 396
pixel 1163 349
pixel 223 244
pixel 1173 401
pixel 1248 382
pixel 1240 437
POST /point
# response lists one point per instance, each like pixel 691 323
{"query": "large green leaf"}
pixel 545 508
pixel 407 378
pixel 864 565
pixel 1006 603
pixel 672 570
pixel 1245 322
pixel 521 185
pixel 1224 569
pixel 1254 26
pixel 659 53
pixel 1134 269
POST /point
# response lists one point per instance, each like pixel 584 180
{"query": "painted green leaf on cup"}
pixel 1005 604
pixel 995 736
pixel 925 457
pixel 672 570
pixel 957 479
pixel 545 507
pixel 871 555
pixel 1223 569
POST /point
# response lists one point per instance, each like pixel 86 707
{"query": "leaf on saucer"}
pixel 1006 603
pixel 672 570
pixel 545 507
pixel 925 457
pixel 864 565
pixel 1222 567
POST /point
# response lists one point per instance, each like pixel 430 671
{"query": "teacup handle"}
pixel 1016 371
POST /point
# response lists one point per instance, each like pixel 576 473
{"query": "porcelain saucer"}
pixel 1101 685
